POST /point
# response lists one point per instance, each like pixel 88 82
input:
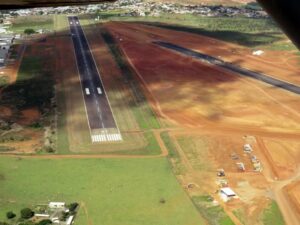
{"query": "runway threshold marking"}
pixel 285 85
pixel 103 128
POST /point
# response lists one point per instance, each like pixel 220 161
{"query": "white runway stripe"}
pixel 106 137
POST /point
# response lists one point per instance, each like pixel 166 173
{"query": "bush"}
pixel 29 31
pixel 36 125
pixel 26 213
pixel 72 207
pixel 45 222
pixel 162 201
pixel 64 216
pixel 10 215
pixel 4 81
pixel 3 223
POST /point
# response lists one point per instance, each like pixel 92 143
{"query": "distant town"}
pixel 141 8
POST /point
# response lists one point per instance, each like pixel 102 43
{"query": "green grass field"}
pixel 34 22
pixel 113 191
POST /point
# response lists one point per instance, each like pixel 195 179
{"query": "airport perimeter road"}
pixel 244 72
pixel 99 114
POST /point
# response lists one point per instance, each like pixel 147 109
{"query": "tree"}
pixel 29 31
pixel 72 207
pixel 64 216
pixel 10 215
pixel 45 222
pixel 3 223
pixel 26 213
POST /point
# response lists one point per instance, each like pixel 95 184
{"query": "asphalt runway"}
pixel 99 114
pixel 244 72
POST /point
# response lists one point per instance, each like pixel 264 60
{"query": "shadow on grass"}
pixel 246 39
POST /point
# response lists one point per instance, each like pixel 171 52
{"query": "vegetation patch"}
pixel 197 152
pixel 3 81
pixel 33 88
pixel 214 214
pixel 272 215
pixel 174 156
pixel 44 214
pixel 12 137
pixel 152 147
pixel 5 149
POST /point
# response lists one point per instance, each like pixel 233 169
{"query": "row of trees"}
pixel 25 214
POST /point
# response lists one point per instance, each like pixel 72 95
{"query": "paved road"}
pixel 244 72
pixel 99 113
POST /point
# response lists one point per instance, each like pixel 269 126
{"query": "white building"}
pixel 57 205
pixel 227 194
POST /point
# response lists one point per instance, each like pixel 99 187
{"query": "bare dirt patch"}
pixel 28 116
pixel 293 191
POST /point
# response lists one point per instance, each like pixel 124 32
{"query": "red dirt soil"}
pixel 193 93
pixel 28 116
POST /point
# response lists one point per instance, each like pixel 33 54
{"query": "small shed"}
pixel 227 194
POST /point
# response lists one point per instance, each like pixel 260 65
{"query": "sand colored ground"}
pixel 293 191
pixel 284 155
pixel 32 145
pixel 219 108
